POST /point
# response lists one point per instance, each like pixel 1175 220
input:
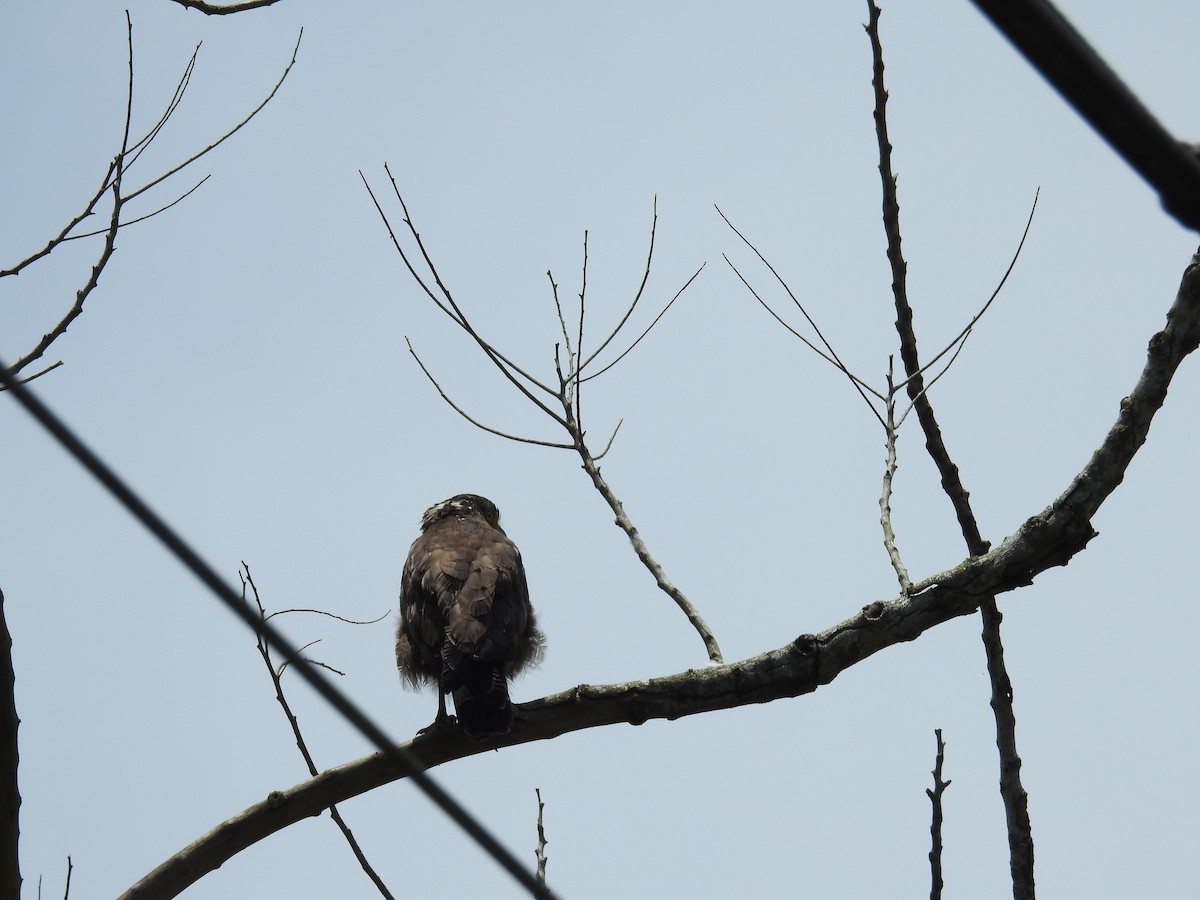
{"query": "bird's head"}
pixel 463 505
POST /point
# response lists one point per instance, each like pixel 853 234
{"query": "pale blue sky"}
pixel 243 363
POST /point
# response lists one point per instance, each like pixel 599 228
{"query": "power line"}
pixel 322 685
pixel 1052 46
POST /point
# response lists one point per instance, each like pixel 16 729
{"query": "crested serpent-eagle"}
pixel 466 624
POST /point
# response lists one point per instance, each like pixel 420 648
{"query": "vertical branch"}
pixel 1016 800
pixel 264 650
pixel 885 499
pixel 935 825
pixel 10 796
pixel 540 851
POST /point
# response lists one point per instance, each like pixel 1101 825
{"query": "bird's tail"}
pixel 481 700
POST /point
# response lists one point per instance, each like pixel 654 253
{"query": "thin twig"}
pixel 151 215
pixel 1016 801
pixel 636 297
pixel 264 651
pixel 670 303
pixel 232 131
pixel 935 825
pixel 957 343
pixel 562 322
pixel 67 889
pixel 569 381
pixel 458 409
pixel 830 357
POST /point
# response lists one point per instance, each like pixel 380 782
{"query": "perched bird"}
pixel 465 619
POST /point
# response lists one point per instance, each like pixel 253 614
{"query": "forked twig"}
pixel 112 183
pixel 935 826
pixel 568 374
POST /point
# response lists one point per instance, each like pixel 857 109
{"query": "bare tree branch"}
pixel 232 131
pixel 568 393
pixel 655 321
pixel 935 825
pixel 1048 539
pixel 264 651
pixel 10 793
pixel 458 409
pixel 540 851
pixel 112 183
pixel 885 498
pixel 584 363
pixel 1016 801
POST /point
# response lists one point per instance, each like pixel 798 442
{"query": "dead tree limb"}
pixel 276 675
pixel 1016 801
pixel 10 793
pixel 562 403
pixel 936 818
pixel 1048 539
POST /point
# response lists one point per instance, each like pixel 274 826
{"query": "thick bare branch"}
pixel 1016 801
pixel 1050 538
pixel 10 794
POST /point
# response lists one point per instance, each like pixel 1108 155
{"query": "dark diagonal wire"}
pixel 1052 46
pixel 202 570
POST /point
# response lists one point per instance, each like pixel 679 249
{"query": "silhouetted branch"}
pixel 1048 539
pixel 264 651
pixel 1016 806
pixel 569 390
pixel 112 184
pixel 540 851
pixel 10 793
pixel 935 825
pixel 885 498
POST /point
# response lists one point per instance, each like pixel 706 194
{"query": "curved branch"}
pixel 670 303
pixel 458 409
pixel 584 363
pixel 232 131
pixel 1048 539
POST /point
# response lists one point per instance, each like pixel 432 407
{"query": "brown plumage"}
pixel 466 624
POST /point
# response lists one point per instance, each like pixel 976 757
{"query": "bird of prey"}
pixel 466 624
